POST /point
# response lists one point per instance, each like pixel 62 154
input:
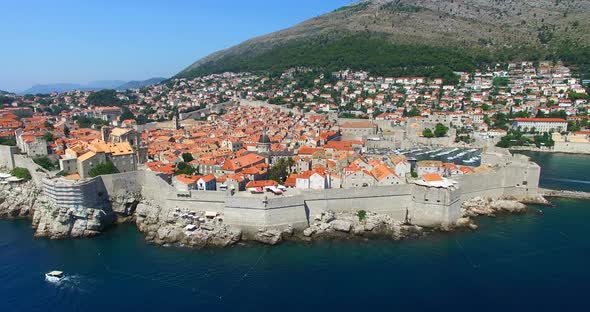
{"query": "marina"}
pixel 459 156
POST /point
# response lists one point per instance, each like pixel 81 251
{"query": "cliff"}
pixel 26 200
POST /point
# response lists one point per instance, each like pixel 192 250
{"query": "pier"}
pixel 564 194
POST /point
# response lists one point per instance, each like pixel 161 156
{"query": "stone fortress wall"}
pixel 509 176
pixel 7 156
pixel 420 205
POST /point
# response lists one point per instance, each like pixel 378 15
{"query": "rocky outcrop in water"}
pixel 59 223
pixel 273 236
pixel 18 200
pixel 479 206
pixel 26 200
pixel 192 229
pixel 330 224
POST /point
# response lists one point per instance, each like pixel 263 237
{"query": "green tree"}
pixel 187 157
pixel 103 98
pixel 10 141
pixel 501 82
pixel 184 168
pixel 21 173
pixel 48 125
pixel 85 122
pixel 104 168
pixel 279 171
pixel 577 96
pixel 414 112
pixel 45 163
pixel 573 126
pixel 440 130
pixel 126 114
pixel 48 136
pixel 427 133
pixel 362 215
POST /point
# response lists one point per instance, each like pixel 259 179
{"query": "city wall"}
pixel 7 156
pixel 425 206
pixel 572 147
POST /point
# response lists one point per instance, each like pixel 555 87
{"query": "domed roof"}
pixel 264 138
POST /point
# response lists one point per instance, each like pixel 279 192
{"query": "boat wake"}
pixel 74 282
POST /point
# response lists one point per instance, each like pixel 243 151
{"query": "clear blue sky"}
pixel 86 40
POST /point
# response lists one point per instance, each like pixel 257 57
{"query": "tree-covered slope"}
pixel 394 35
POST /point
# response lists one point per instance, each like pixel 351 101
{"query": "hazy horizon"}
pixel 78 43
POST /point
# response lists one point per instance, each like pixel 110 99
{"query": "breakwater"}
pixel 564 194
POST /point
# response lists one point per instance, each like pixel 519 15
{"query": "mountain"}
pixel 140 84
pixel 2 92
pixel 64 87
pixel 414 35
pixel 92 86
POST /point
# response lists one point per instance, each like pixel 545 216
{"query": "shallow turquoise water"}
pixel 519 262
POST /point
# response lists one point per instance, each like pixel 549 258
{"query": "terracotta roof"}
pixel 186 179
pixel 432 177
pixel 261 183
pixel 86 156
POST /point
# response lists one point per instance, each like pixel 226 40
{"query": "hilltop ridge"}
pixel 383 34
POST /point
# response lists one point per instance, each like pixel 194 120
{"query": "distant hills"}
pixel 413 36
pixel 92 86
pixel 140 84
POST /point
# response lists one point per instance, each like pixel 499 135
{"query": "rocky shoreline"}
pixel 197 229
pixel 27 201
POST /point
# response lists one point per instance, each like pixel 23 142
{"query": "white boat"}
pixel 54 276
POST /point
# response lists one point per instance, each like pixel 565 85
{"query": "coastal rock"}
pixel 478 206
pixel 125 205
pixel 55 223
pixel 309 231
pixel 341 225
pixel 288 231
pixel 18 201
pixel 373 224
pixel 328 217
pixel 26 200
pixel 508 205
pixel 165 227
pixel 269 237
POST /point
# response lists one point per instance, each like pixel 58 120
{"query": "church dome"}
pixel 264 138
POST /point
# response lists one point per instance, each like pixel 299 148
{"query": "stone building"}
pixel 357 130
pixel 540 124
pixel 81 158
pixel 263 145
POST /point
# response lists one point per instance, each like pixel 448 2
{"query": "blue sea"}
pixel 512 263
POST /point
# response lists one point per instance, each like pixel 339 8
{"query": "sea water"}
pixel 534 261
